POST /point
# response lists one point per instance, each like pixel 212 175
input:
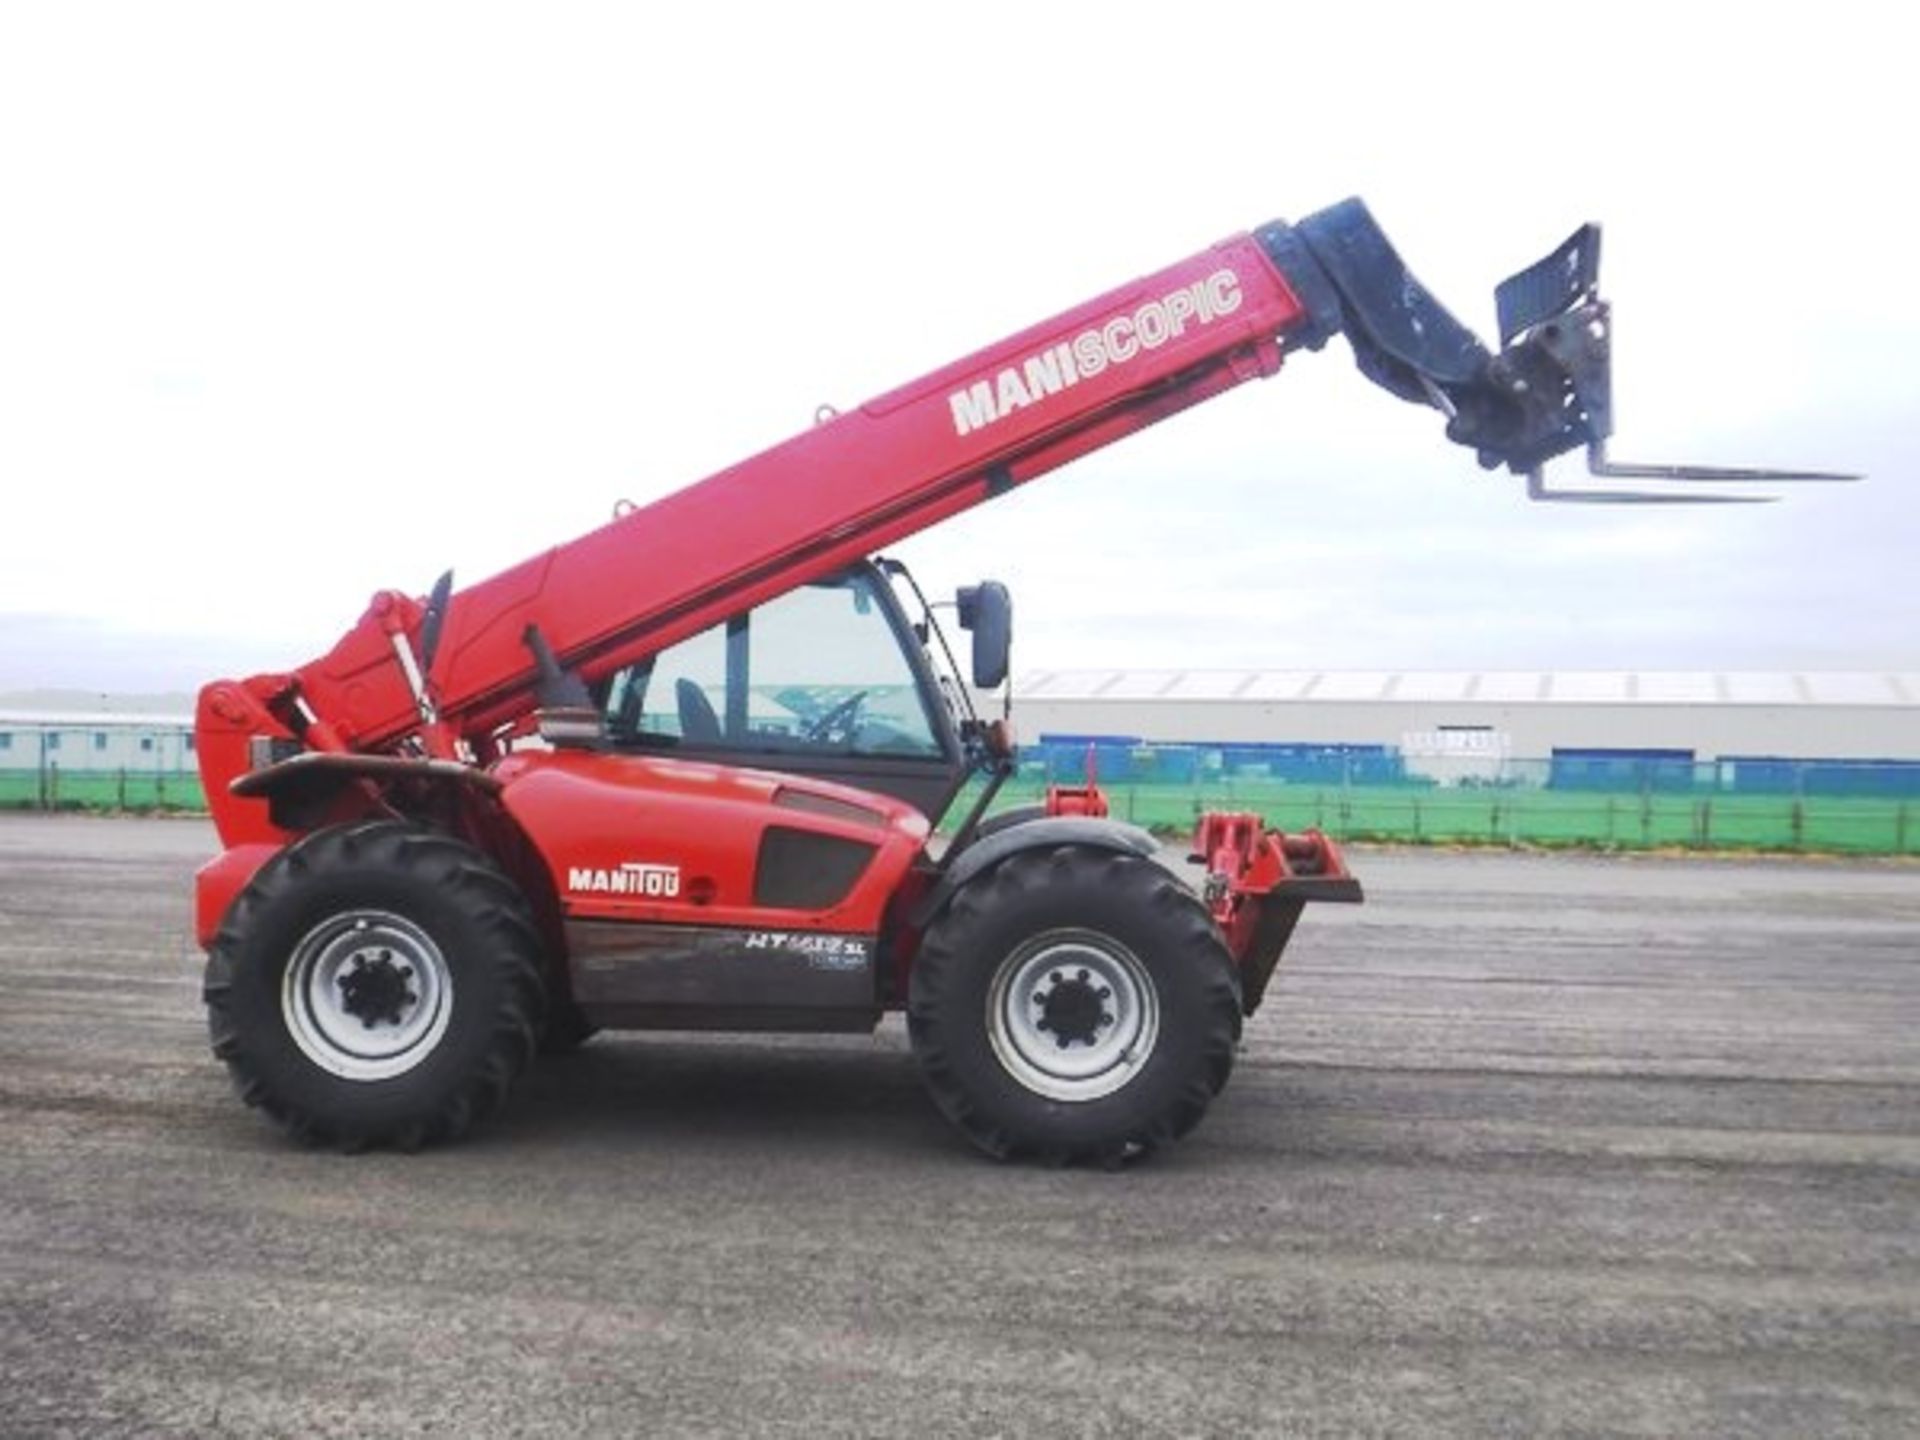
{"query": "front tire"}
pixel 1074 1004
pixel 376 984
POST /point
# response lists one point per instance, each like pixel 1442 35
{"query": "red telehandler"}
pixel 682 772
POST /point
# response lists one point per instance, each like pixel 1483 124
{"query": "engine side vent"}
pixel 799 870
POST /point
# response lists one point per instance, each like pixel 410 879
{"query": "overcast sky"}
pixel 301 302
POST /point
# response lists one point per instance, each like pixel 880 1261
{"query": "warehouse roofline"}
pixel 1810 688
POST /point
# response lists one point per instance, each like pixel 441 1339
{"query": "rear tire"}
pixel 1072 1005
pixel 376 984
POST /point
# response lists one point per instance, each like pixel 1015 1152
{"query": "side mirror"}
pixel 986 610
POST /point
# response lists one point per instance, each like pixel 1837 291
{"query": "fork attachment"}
pixel 1547 391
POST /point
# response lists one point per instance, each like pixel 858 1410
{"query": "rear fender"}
pixel 313 790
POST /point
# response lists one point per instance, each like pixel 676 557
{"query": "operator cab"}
pixel 830 680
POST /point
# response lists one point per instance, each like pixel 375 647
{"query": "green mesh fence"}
pixel 1513 815
pixel 1524 816
pixel 56 789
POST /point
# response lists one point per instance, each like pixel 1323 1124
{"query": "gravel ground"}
pixel 1525 1145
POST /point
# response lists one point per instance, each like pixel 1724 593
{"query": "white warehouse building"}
pixel 1448 722
pixel 1490 714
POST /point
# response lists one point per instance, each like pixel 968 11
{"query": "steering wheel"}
pixel 837 724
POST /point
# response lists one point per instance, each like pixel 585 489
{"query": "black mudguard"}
pixel 1042 834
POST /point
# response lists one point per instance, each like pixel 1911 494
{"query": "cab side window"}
pixel 819 670
pixel 648 699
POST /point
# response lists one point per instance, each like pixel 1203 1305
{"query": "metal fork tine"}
pixel 1599 464
pixel 1537 490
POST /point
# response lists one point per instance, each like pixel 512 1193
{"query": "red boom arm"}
pixel 849 486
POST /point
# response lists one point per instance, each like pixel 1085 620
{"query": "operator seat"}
pixel 698 719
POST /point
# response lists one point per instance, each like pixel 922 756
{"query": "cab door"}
pixel 828 680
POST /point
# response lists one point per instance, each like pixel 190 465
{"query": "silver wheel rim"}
pixel 367 995
pixel 1072 1015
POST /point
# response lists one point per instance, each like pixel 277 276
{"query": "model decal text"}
pixel 1092 352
